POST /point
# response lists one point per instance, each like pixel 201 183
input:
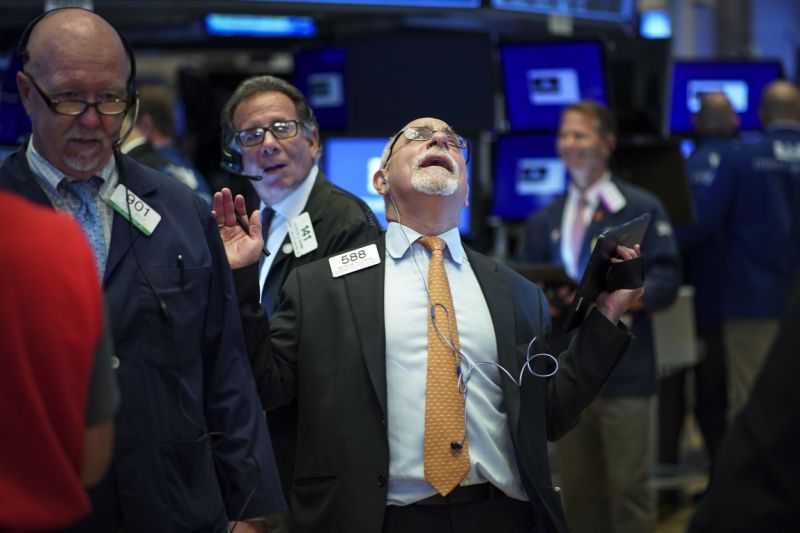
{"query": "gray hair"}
pixel 267 84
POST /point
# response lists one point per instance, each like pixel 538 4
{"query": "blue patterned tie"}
pixel 89 217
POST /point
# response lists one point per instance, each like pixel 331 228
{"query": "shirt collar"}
pixel 399 239
pixel 295 201
pixel 592 192
pixel 50 176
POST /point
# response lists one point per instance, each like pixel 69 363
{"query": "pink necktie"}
pixel 578 231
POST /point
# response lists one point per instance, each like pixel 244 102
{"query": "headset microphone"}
pixel 132 124
pixel 238 174
pixel 232 163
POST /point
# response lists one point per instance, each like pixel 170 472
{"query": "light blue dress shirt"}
pixel 491 451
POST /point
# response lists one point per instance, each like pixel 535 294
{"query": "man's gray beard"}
pixel 434 181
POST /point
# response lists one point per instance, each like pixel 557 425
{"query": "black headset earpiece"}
pixel 24 56
pixel 231 161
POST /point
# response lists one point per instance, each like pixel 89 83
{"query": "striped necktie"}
pixel 446 450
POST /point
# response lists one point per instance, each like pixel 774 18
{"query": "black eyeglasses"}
pixel 111 107
pixel 424 133
pixel 280 129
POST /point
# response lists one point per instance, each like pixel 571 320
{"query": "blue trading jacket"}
pixel 636 373
pixel 751 204
pixel 190 426
pixel 703 258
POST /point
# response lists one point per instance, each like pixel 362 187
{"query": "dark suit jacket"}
pixel 177 381
pixel 756 481
pixel 327 348
pixel 341 221
pixel 636 374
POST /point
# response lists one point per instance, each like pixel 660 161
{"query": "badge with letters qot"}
pixel 302 235
pixel 354 260
pixel 145 218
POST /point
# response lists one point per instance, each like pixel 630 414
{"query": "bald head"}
pixel 716 117
pixel 74 56
pixel 780 101
pixel 66 36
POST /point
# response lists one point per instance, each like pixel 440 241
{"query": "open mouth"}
pixel 437 160
pixel 273 168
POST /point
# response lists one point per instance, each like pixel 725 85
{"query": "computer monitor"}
pixel 350 163
pixel 320 76
pixel 743 81
pixel 541 79
pixel 528 175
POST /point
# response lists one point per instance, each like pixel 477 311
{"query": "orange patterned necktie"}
pixel 446 448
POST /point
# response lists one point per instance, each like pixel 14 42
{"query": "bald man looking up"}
pixel 192 451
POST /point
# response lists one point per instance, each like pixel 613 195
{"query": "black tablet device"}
pixel 593 281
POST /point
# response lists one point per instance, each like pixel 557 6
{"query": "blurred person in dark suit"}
pixel 605 462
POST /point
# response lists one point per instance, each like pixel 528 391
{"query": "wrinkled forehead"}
pixel 433 123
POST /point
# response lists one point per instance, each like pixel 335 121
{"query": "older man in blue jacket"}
pixel 192 451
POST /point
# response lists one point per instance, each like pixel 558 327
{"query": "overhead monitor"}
pixel 460 4
pixel 350 163
pixel 742 81
pixel 320 76
pixel 541 79
pixel 529 175
pixel 605 10
pixel 235 25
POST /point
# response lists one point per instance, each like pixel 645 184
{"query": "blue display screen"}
pixel 350 163
pixel 528 175
pixel 742 81
pixel 320 76
pixel 541 79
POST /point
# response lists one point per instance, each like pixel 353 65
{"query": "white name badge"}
pixel 354 260
pixel 145 218
pixel 611 196
pixel 301 233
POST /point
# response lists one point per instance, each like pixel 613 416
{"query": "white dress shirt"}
pixel 285 210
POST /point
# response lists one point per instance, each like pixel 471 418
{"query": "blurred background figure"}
pixel 605 461
pixel 716 125
pixel 156 124
pixel 751 202
pixel 58 392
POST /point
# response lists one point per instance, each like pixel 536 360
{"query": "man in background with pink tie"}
pixel 397 351
pixel 605 462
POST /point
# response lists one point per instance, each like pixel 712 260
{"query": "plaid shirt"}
pixel 52 181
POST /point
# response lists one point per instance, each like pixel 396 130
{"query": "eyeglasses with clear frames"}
pixel 280 129
pixel 424 133
pixel 73 108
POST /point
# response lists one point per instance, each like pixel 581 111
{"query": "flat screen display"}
pixel 529 175
pixel 541 79
pixel 741 81
pixel 320 76
pixel 350 163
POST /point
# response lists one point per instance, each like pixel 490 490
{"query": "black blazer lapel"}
pixel 365 293
pixel 500 302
